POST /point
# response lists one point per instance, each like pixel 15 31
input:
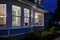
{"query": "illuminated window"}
pixel 16 15
pixel 39 1
pixel 2 14
pixel 38 19
pixel 26 16
pixel 36 1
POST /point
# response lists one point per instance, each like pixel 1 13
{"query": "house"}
pixel 18 17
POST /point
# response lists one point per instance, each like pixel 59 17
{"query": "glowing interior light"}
pixel 36 16
pixel 1 16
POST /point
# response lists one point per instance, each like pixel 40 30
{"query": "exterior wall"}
pixel 9 31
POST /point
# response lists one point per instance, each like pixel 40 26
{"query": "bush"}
pixel 40 35
pixel 53 30
pixel 13 39
pixel 31 36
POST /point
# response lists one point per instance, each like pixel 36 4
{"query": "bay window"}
pixel 2 14
pixel 26 16
pixel 16 15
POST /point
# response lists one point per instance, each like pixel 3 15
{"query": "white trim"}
pixel 33 6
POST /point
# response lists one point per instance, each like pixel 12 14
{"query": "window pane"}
pixel 36 1
pixel 26 12
pixel 16 22
pixel 16 10
pixel 38 19
pixel 16 15
pixel 26 17
pixel 41 2
pixel 13 18
pixel 26 21
pixel 2 14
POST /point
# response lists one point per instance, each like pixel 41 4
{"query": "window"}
pixel 38 19
pixel 36 1
pixel 16 15
pixel 26 16
pixel 39 1
pixel 2 14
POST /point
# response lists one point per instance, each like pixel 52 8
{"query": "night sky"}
pixel 50 5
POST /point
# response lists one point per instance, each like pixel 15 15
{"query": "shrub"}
pixel 53 29
pixel 40 35
pixel 31 36
pixel 48 33
pixel 13 39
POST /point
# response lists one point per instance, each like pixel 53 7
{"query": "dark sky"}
pixel 50 5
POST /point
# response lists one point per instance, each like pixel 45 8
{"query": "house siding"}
pixel 9 31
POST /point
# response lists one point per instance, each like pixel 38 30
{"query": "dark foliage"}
pixel 57 11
